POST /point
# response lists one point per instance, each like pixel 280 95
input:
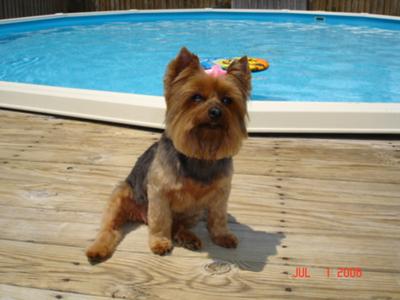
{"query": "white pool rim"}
pixel 149 111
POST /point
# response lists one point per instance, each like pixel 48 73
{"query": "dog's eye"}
pixel 226 100
pixel 197 98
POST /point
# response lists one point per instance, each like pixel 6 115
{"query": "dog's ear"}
pixel 186 62
pixel 239 70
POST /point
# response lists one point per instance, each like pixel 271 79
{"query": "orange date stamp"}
pixel 342 272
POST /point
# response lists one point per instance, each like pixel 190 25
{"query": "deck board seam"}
pixel 279 174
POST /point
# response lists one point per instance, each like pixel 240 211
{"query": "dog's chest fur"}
pixel 187 183
pixel 187 195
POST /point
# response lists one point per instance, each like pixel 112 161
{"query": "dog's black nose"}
pixel 214 113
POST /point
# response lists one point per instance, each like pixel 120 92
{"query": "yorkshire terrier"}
pixel 189 170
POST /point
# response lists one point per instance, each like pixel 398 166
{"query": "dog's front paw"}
pixel 228 240
pixel 188 240
pixel 161 246
pixel 98 252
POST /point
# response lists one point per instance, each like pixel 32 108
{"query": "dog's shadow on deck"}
pixel 253 251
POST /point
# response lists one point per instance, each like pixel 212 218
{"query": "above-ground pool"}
pixel 313 57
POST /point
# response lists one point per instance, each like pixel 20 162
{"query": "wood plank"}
pixel 279 167
pixel 312 203
pixel 130 275
pixel 285 219
pixel 278 194
pixel 380 8
pixel 22 293
pixel 105 178
pixel 396 8
pixel 255 243
pixel 2 9
pixel 377 211
pixel 282 157
pixel 278 154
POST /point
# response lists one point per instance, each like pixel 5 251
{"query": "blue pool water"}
pixel 341 59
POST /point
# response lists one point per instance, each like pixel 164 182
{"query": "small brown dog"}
pixel 189 170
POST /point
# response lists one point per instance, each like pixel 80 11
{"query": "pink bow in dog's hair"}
pixel 215 71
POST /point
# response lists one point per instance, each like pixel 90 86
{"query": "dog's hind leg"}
pixel 121 209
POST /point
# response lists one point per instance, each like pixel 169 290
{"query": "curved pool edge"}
pixel 124 108
pixel 149 111
pixel 198 10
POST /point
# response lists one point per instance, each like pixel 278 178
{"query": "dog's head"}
pixel 206 115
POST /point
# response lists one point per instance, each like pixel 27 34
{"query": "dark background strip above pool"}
pixel 23 8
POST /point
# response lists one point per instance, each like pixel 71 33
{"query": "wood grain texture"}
pixel 22 8
pixel 311 203
pixel 270 4
pixel 383 7
pixel 23 293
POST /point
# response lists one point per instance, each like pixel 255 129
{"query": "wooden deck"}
pixel 319 204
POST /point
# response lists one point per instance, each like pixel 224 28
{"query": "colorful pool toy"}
pixel 255 64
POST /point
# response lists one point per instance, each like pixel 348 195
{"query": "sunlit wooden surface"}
pixel 314 204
